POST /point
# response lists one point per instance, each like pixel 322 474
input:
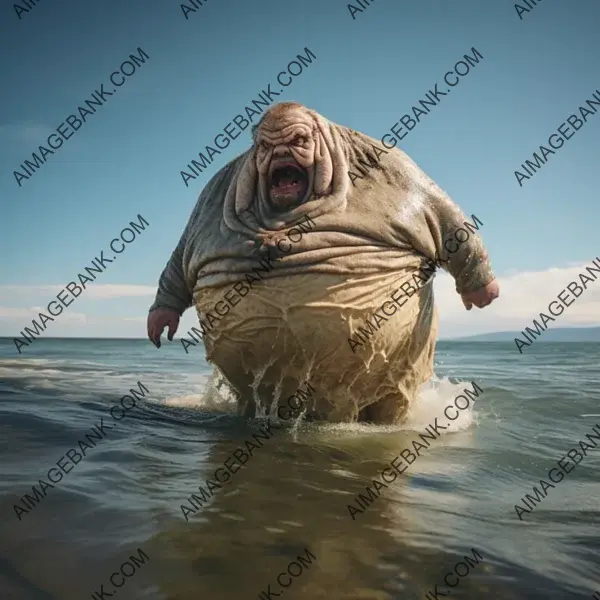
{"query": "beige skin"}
pixel 290 135
pixel 161 318
pixel 296 325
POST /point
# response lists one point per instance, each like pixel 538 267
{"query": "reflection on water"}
pixel 291 495
pixel 296 496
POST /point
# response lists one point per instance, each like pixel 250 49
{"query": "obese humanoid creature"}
pixel 306 260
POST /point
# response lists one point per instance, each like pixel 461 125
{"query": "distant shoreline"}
pixel 559 334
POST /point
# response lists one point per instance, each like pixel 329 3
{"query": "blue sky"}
pixel 126 159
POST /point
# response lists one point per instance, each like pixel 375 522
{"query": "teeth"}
pixel 286 179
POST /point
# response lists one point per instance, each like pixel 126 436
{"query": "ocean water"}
pixel 290 498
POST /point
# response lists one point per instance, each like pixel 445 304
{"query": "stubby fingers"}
pixel 173 324
pixel 150 329
pixel 468 305
pixel 156 324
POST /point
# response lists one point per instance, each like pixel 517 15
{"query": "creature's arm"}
pixel 173 291
pixel 176 283
pixel 432 228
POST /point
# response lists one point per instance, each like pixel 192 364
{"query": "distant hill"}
pixel 561 334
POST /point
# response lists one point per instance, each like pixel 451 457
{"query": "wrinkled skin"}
pixel 376 219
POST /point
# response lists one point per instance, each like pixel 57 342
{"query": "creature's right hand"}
pixel 158 319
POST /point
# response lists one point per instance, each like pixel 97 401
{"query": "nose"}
pixel 281 150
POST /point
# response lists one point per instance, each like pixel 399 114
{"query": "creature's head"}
pixel 292 159
pixel 296 165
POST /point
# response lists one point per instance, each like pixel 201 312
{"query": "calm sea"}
pixel 280 526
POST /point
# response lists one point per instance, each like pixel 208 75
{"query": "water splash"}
pixel 432 399
pixel 216 396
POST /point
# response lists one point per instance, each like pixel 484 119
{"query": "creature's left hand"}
pixel 481 297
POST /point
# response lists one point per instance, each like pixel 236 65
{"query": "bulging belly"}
pixel 350 337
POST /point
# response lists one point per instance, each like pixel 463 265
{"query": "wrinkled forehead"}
pixel 285 123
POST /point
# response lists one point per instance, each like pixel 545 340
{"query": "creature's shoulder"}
pixel 209 205
pixel 390 166
pixel 219 183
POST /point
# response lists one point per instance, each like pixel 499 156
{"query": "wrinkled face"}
pixel 285 157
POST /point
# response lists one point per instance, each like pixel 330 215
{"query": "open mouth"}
pixel 288 184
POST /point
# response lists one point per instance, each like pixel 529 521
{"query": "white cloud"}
pixel 522 297
pixel 29 134
pixel 19 304
pixel 14 313
pixel 93 291
pixel 23 316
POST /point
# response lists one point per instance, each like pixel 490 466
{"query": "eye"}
pixel 299 140
pixel 264 146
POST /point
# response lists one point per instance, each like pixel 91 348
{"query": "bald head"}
pixel 284 113
pixel 290 167
pixel 285 140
